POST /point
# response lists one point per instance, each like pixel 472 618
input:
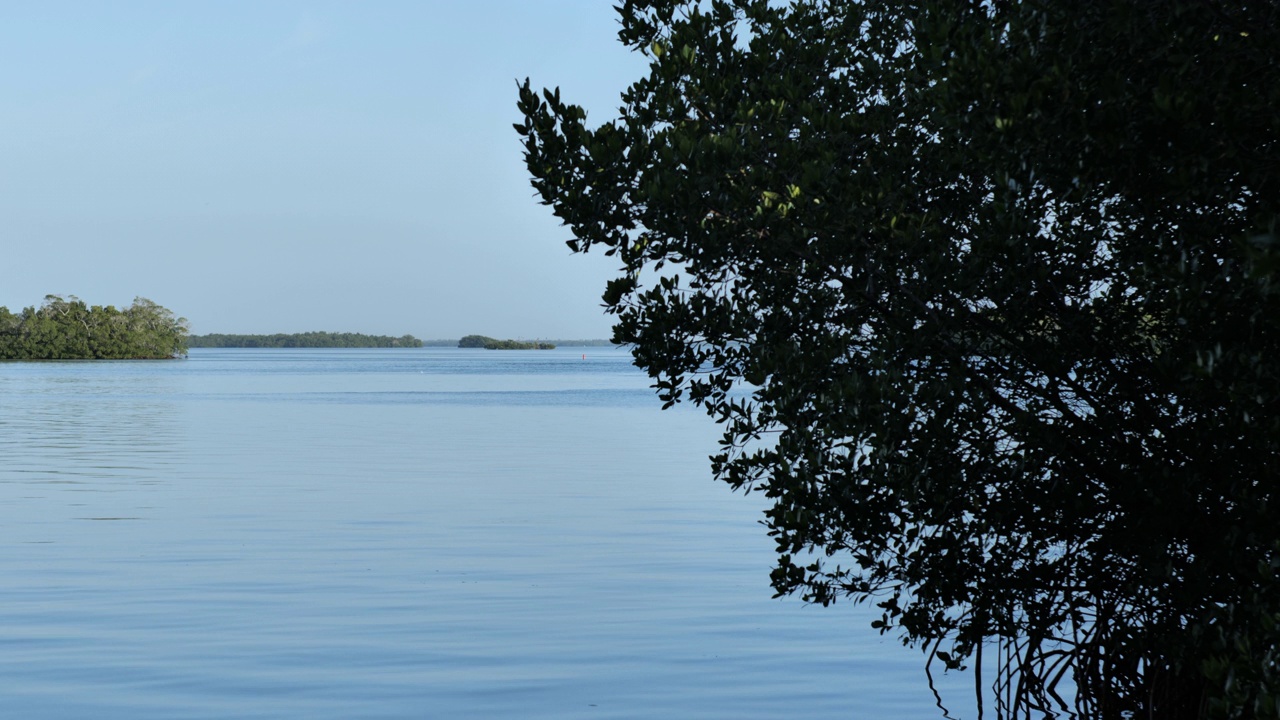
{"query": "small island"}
pixel 488 343
pixel 69 329
pixel 303 340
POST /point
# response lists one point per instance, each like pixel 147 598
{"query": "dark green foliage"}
pixel 488 343
pixel 999 281
pixel 475 341
pixel 517 345
pixel 303 340
pixel 68 329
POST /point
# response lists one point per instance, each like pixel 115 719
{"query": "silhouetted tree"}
pixel 985 297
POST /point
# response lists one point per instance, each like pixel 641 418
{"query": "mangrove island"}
pixel 68 329
pixel 488 343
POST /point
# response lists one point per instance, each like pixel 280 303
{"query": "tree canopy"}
pixel 475 341
pixel 985 298
pixel 68 329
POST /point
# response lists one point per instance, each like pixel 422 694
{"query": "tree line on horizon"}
pixel 326 339
pixel 69 329
pixel 488 343
pixel 452 343
pixel 315 339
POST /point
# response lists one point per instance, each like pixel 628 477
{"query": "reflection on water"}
pixel 396 534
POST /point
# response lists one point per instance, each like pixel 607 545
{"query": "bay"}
pixel 398 534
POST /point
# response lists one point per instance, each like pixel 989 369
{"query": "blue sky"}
pixel 290 166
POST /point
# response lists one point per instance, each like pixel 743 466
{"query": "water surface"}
pixel 397 534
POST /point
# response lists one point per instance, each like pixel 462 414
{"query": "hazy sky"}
pixel 290 166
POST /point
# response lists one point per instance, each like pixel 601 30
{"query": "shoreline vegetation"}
pixel 359 340
pixel 315 339
pixel 488 343
pixel 69 329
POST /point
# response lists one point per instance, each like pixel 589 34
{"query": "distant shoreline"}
pixel 346 340
pixel 557 343
pixel 316 339
pixel 492 343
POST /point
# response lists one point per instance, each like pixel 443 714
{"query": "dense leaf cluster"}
pixel 474 341
pixel 303 340
pixel 68 329
pixel 999 281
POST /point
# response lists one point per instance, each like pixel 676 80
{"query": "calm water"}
pixel 397 534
